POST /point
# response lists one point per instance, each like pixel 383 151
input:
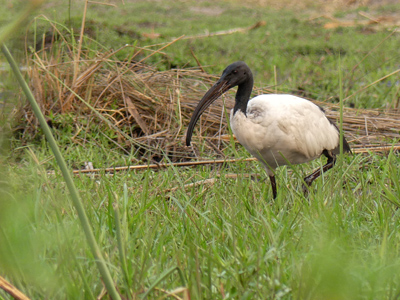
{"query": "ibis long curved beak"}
pixel 212 94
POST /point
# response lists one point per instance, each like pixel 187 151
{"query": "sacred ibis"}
pixel 276 129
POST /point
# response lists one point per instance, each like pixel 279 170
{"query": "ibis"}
pixel 277 129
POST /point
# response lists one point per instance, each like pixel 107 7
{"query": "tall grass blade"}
pixel 101 264
pixel 340 108
pixel 387 179
pixel 121 250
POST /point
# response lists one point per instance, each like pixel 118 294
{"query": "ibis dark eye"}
pixel 235 71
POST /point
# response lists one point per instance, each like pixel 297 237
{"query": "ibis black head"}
pixel 235 74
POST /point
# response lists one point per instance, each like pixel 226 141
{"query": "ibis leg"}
pixel 273 185
pixel 314 175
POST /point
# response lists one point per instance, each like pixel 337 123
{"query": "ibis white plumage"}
pixel 276 129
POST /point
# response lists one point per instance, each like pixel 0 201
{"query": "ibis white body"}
pixel 282 129
pixel 276 129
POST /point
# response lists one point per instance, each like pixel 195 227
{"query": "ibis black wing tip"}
pixel 346 146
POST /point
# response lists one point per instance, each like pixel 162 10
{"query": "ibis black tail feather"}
pixel 346 146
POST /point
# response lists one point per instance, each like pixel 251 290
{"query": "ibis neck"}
pixel 243 95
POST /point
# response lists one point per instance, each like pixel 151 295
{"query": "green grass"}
pixel 228 239
pixel 304 53
pixel 340 243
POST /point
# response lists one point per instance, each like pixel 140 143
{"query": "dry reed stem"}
pixel 356 150
pixel 173 293
pixel 226 32
pixel 102 3
pixel 158 166
pixel 12 290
